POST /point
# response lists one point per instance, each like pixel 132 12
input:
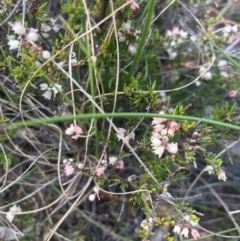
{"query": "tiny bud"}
pixel 32 36
pixel 80 166
pixel 91 197
pixel 46 54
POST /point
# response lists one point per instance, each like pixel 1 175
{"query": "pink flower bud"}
pixel 68 170
pixel 135 7
pixel 195 234
pixel 232 93
pixel 99 171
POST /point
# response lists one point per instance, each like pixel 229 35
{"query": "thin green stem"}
pixel 123 115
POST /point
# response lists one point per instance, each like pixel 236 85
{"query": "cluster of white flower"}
pixel 46 28
pixel 221 174
pixel 162 129
pixel 182 228
pixel 112 160
pixel 75 131
pixel 207 75
pixel 26 37
pixel 230 32
pixel 50 90
pixel 69 166
pixel 222 66
pixel 12 212
pixel 176 36
pixel 125 33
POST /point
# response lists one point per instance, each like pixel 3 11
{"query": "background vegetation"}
pixel 119 120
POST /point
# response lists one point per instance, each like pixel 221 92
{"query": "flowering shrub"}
pixel 112 113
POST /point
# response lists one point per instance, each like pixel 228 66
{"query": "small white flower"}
pixel 56 88
pixel 123 134
pixel 91 197
pixel 222 63
pixel 121 37
pixel 70 130
pixel 224 74
pixel 209 169
pixel 172 148
pixel 53 21
pixel 183 34
pixel 159 151
pixel 185 232
pixel 132 49
pixel 207 75
pixel 80 166
pixel 112 160
pixel 158 148
pixel 155 142
pixel 197 83
pixel 164 132
pixel 48 94
pixel 12 211
pixel 227 29
pixel 13 44
pixel 65 161
pixel 126 26
pixel 55 28
pixel 45 27
pixel 44 86
pixel 18 28
pixel 46 54
pixel 177 229
pixel 222 176
pixel 172 54
pixel 32 36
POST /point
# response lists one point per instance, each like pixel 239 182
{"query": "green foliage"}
pixel 132 62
